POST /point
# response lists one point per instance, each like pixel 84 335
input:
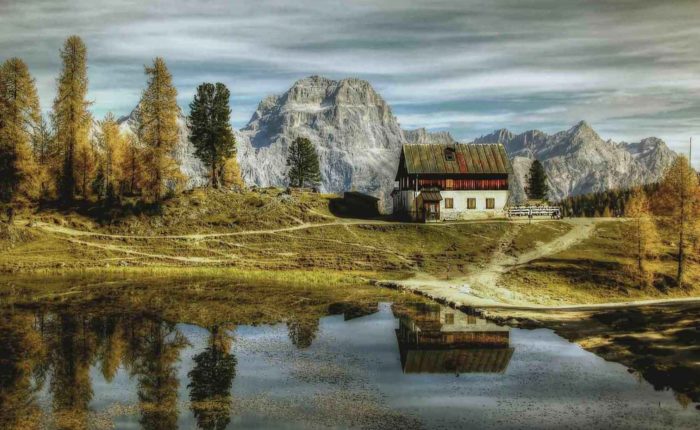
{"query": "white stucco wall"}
pixel 460 211
pixel 404 201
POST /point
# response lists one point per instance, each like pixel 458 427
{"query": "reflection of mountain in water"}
pixel 437 339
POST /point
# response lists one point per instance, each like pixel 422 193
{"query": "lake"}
pixel 378 360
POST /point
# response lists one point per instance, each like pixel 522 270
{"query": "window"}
pixel 490 203
pixel 449 318
pixel 449 154
pixel 471 203
pixel 449 203
pixel 449 184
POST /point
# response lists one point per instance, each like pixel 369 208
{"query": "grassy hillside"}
pixel 599 269
pixel 266 230
pixel 270 235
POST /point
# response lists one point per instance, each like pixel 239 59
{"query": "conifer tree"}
pixel 47 157
pixel 86 166
pixel 70 115
pixel 158 131
pixel 19 116
pixel 210 128
pixel 537 187
pixel 644 235
pixel 230 174
pixel 115 151
pixel 132 167
pixel 302 161
pixel 680 199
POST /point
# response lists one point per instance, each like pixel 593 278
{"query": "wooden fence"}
pixel 534 211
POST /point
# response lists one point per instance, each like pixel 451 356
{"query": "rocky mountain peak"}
pixel 579 161
pixel 421 135
pixel 357 138
pixel 583 131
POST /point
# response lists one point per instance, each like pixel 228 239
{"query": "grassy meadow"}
pixel 268 236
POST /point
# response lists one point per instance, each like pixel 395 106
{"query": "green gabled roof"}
pixel 470 158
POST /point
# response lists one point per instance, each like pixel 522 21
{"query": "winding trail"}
pixel 482 287
pixel 80 237
pixel 479 289
pixel 52 228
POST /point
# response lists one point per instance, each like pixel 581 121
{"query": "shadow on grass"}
pixel 343 208
pixel 581 270
pixel 105 211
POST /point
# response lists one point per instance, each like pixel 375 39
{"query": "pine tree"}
pixel 19 116
pixel 644 234
pixel 70 115
pixel 158 131
pixel 302 161
pixel 210 128
pixel 680 200
pixel 537 187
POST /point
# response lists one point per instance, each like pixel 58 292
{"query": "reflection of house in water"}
pixel 437 339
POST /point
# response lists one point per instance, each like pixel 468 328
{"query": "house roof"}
pixel 431 196
pixel 456 360
pixel 469 158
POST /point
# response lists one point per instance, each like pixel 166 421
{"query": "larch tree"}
pixel 537 187
pixel 158 131
pixel 302 161
pixel 680 201
pixel 47 157
pixel 86 168
pixel 644 235
pixel 115 152
pixel 132 167
pixel 210 129
pixel 19 117
pixel 230 174
pixel 71 119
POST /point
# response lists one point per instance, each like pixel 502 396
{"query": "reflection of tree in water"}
pixel 71 350
pixel 111 346
pixel 211 380
pixel 154 348
pixel 21 354
pixel 302 332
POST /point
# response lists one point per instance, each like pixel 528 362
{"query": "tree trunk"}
pixel 640 256
pixel 681 238
pixel 214 176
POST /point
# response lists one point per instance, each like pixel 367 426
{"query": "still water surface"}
pixel 405 365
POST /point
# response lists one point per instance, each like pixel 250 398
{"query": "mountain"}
pixel 579 161
pixel 357 138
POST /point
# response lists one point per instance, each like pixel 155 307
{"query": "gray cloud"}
pixel 629 67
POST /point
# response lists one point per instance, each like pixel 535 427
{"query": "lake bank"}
pixel 113 337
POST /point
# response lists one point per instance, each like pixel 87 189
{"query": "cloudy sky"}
pixel 630 68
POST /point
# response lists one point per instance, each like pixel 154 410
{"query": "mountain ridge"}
pixel 579 161
pixel 358 140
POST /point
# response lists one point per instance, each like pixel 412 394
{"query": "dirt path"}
pixel 482 288
pixel 52 228
pixel 81 237
pixel 125 250
pixel 596 306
